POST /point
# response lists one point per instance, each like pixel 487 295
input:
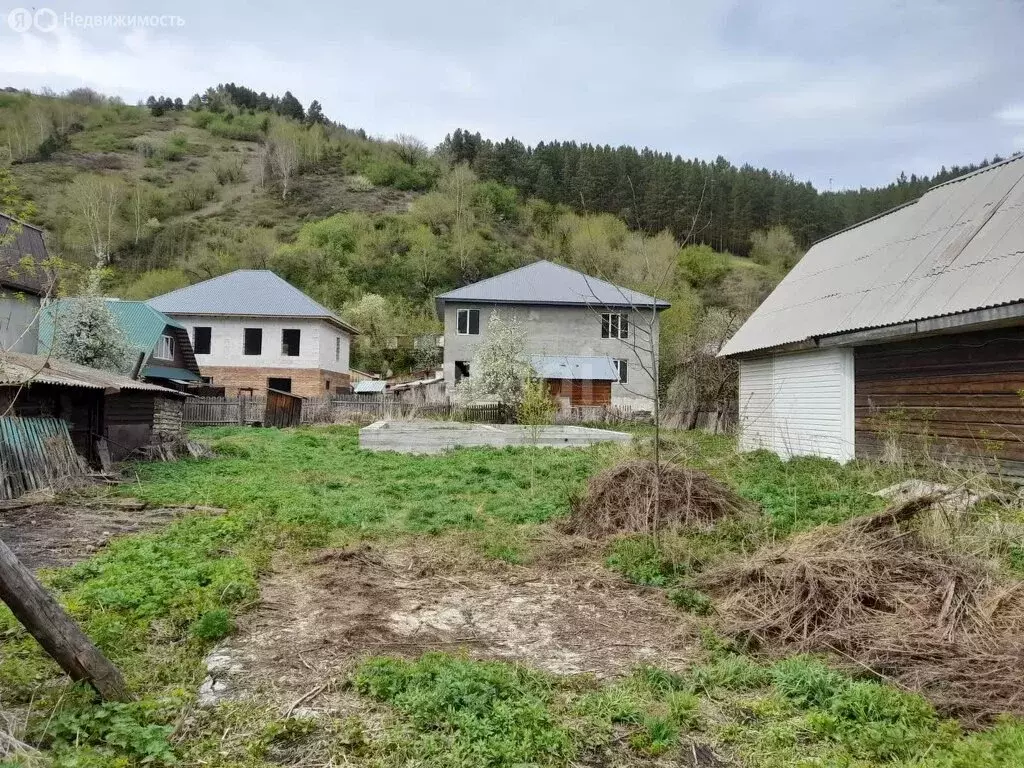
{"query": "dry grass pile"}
pixel 622 499
pixel 876 593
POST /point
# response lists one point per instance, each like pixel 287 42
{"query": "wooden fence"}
pixel 220 411
pixel 283 409
pixel 340 409
pixel 36 453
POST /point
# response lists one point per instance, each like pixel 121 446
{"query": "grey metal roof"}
pixel 17 369
pixel 369 385
pixel 246 292
pixel 23 257
pixel 545 282
pixel 960 247
pixel 574 367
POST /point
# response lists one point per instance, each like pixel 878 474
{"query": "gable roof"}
pixel 545 282
pixel 142 326
pixel 245 292
pixel 22 257
pixel 958 248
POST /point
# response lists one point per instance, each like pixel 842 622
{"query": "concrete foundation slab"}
pixel 423 436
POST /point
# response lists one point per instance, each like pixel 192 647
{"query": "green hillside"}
pixel 170 194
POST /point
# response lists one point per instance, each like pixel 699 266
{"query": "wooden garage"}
pixel 576 381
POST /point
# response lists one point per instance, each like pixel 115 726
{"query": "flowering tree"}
pixel 500 366
pixel 86 332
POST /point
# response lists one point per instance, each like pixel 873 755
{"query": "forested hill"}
pixel 178 191
pixel 712 202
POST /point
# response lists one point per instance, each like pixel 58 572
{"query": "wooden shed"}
pixel 904 332
pixel 103 410
pixel 577 380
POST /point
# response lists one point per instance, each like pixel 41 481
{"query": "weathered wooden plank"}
pixel 55 631
pixel 959 400
pixel 965 415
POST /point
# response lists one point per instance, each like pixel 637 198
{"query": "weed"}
pixel 657 736
pixel 691 600
pixel 642 561
pixel 469 713
pixel 684 709
pixel 214 625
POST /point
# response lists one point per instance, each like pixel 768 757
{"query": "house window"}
pixel 327 385
pixel 468 322
pixel 201 339
pixel 337 348
pixel 621 368
pixel 253 341
pixel 165 348
pixel 290 342
pixel 461 370
pixel 280 384
pixel 614 326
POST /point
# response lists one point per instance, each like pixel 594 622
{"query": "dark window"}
pixel 253 341
pixel 614 326
pixel 621 367
pixel 290 342
pixel 461 369
pixel 201 340
pixel 281 385
pixel 327 385
pixel 468 322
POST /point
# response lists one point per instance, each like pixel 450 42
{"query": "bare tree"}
pixel 95 202
pixel 284 156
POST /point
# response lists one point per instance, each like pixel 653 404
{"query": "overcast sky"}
pixel 845 96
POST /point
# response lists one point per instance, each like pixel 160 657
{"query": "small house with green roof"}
pixel 163 349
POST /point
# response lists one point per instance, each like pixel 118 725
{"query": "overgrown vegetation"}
pixel 156 603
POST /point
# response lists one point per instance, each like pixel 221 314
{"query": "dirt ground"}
pixel 58 532
pixel 318 616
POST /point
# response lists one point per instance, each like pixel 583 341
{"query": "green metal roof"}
pixel 141 324
pixel 166 372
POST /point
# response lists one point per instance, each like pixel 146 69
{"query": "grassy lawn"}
pixel 157 603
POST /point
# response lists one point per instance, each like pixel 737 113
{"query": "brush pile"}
pixel 878 595
pixel 627 499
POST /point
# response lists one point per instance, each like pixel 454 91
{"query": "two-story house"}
pixel 24 281
pixel 591 340
pixel 252 330
pixel 160 346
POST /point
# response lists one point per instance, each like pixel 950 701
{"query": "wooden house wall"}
pixel 957 395
pixel 80 407
pixel 129 421
pixel 586 392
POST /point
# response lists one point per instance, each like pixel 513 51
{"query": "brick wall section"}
pixel 306 382
pixel 167 413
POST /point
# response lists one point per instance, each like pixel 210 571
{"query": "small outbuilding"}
pixel 907 325
pixel 577 380
pixel 106 413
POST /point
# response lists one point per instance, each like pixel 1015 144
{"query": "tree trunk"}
pixel 57 632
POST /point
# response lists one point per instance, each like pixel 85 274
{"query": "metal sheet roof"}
pixel 574 367
pixel 141 324
pixel 23 257
pixel 363 387
pixel 168 372
pixel 958 248
pixel 18 369
pixel 246 292
pixel 545 282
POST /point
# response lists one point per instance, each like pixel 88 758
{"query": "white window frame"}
pixel 619 363
pixel 617 324
pixel 468 313
pixel 164 348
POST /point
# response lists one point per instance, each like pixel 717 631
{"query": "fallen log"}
pixel 55 631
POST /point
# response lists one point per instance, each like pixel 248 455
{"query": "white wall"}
pixel 19 330
pixel 798 404
pixel 227 348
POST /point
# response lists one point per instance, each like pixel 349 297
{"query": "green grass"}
pixel 157 602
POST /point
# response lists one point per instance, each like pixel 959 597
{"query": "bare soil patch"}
pixel 56 533
pixel 318 617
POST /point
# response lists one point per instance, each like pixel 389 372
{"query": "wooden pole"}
pixel 57 632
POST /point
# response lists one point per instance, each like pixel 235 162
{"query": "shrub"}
pixel 691 600
pixel 214 625
pixel 229 171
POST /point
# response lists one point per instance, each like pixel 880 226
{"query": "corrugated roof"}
pixel 141 324
pixel 545 282
pixel 17 369
pixel 368 385
pixel 574 367
pixel 168 372
pixel 960 247
pixel 247 292
pixel 22 258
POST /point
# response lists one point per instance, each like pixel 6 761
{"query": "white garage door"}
pixel 798 404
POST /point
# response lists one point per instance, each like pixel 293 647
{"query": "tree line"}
pixel 709 202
